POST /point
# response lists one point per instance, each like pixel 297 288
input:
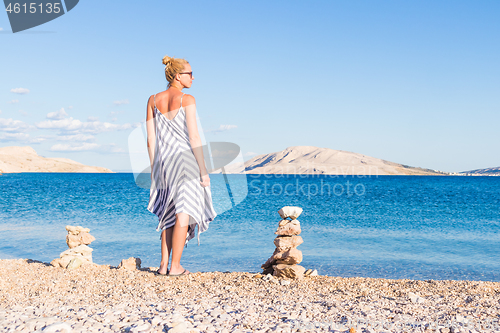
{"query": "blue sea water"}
pixel 417 227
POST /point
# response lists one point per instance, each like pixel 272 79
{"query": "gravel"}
pixel 36 297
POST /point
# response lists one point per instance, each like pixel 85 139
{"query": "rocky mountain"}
pixel 314 160
pixel 484 172
pixel 25 159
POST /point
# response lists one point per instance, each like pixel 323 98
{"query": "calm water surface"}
pixel 419 227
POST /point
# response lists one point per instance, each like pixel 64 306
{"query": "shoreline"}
pixel 337 175
pixel 94 298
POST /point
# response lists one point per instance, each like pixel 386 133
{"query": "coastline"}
pixel 35 295
pixel 26 160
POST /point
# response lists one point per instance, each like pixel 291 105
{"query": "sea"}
pixel 396 227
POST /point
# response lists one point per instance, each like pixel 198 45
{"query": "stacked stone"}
pixel 78 253
pixel 283 262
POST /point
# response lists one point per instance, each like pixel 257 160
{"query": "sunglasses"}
pixel 190 74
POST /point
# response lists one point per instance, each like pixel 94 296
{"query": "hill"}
pixel 25 159
pixel 484 172
pixel 314 160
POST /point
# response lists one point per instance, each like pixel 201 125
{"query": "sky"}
pixel 412 82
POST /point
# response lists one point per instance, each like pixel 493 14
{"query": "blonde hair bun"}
pixel 167 60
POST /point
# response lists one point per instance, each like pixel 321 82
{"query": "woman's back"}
pixel 168 102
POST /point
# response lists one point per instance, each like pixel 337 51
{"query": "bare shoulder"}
pixel 151 100
pixel 188 100
pixel 149 108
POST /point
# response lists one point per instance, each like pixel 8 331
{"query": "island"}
pixel 314 160
pixel 25 159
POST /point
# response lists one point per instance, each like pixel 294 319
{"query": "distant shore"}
pixel 35 295
pixel 26 160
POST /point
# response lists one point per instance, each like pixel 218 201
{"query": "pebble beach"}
pixel 37 297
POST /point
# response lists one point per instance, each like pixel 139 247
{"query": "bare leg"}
pixel 177 242
pixel 166 247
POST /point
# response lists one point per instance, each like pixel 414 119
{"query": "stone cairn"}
pixel 78 253
pixel 283 262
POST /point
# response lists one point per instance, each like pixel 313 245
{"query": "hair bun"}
pixel 167 60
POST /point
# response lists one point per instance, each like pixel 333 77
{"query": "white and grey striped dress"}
pixel 175 184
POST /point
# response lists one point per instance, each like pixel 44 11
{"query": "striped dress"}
pixel 175 183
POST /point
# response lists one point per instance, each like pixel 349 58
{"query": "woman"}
pixel 180 186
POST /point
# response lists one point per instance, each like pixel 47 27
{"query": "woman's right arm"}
pixel 151 132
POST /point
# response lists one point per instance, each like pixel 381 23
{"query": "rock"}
pixel 289 229
pixel 290 211
pixel 267 277
pixel 271 261
pixel 72 240
pixel 225 317
pixel 415 298
pixel 287 242
pixel 257 276
pixel 289 271
pixel 69 255
pixel 86 238
pixel 83 238
pixel 290 257
pixel 57 327
pixel 314 273
pixel 130 263
pixel 178 328
pixel 268 270
pixel 144 327
pixel 308 272
pixel 88 257
pixel 56 262
pixel 215 313
pixel 83 250
pixel 65 260
pixel 74 263
pixel 76 230
pixel 285 282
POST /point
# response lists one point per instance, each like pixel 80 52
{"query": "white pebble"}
pixel 57 327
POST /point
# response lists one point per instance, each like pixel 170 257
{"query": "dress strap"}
pixel 181 99
pixel 154 100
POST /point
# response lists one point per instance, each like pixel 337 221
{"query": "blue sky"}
pixel 411 82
